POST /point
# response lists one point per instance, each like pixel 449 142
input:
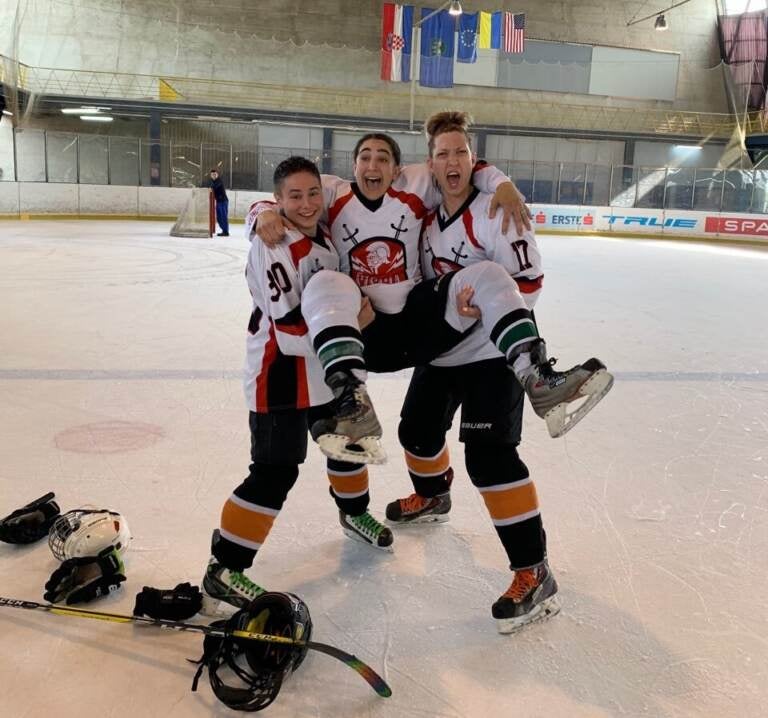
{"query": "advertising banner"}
pixel 568 219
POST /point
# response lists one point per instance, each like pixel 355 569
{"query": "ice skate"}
pixel 532 597
pixel 225 591
pixel 353 433
pixel 367 529
pixel 417 509
pixel 551 392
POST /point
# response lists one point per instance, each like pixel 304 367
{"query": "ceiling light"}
pixel 83 110
pixel 96 118
pixel 455 8
pixel 661 23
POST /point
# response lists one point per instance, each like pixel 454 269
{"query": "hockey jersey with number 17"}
pixel 470 236
pixel 282 370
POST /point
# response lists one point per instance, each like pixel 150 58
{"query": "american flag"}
pixel 514 32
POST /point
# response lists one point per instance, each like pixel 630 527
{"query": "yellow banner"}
pixel 484 31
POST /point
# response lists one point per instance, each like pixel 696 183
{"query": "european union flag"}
pixel 437 49
pixel 467 50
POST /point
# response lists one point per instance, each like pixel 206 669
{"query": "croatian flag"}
pixel 396 30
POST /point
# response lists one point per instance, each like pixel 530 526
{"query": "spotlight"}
pixel 661 23
pixel 455 8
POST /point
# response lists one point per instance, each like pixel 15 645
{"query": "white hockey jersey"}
pixel 378 242
pixel 470 236
pixel 282 370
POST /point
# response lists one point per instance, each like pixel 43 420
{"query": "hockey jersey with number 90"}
pixel 282 370
pixel 470 236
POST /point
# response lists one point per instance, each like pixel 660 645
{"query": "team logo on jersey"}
pixel 378 260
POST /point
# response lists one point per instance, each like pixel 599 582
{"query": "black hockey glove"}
pixel 80 580
pixel 31 522
pixel 176 604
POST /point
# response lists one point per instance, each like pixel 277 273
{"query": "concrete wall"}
pixel 334 43
pixel 35 198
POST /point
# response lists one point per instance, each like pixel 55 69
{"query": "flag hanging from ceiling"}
pixel 467 40
pixel 484 31
pixel 437 48
pixel 514 33
pixel 396 30
pixel 497 26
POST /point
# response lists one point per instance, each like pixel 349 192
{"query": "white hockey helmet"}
pixel 87 532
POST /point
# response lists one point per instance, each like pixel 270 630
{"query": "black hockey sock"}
pixel 340 349
pixel 513 332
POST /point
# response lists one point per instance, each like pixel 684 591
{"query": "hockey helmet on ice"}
pixel 261 666
pixel 87 532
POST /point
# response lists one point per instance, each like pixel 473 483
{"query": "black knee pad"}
pixel 416 438
pixel 268 484
pixel 492 464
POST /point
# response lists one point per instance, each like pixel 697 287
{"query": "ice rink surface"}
pixel 120 387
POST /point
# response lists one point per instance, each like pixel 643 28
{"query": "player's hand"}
pixel 271 226
pixel 366 315
pixel 465 306
pixel 508 197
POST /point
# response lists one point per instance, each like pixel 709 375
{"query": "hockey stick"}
pixel 374 679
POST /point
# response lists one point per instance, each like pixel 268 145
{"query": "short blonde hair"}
pixel 447 121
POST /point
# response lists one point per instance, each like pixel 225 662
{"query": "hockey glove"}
pixel 176 604
pixel 79 580
pixel 30 522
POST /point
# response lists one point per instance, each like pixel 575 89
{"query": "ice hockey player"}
pixel 304 369
pixel 416 321
pixel 476 376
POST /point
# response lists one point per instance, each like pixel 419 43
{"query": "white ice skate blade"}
pixel 428 519
pixel 367 450
pixel 357 537
pixel 216 608
pixel 560 422
pixel 543 611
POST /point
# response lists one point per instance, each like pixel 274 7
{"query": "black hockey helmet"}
pixel 261 666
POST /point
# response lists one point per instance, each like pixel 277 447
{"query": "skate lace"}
pixel 413 503
pixel 367 524
pixel 546 367
pixel 240 583
pixel 524 582
pixel 349 402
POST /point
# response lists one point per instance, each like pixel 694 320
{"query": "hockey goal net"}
pixel 198 218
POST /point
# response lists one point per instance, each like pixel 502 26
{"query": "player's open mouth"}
pixel 372 183
pixel 453 180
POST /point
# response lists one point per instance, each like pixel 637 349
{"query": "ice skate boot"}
pixel 353 433
pixel 531 597
pixel 551 392
pixel 226 591
pixel 417 509
pixel 367 529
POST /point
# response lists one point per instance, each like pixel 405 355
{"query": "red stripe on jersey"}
pixel 302 387
pixel 300 249
pixel 414 203
pixel 466 218
pixel 529 286
pixel 337 206
pixel 270 353
pixel 296 330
